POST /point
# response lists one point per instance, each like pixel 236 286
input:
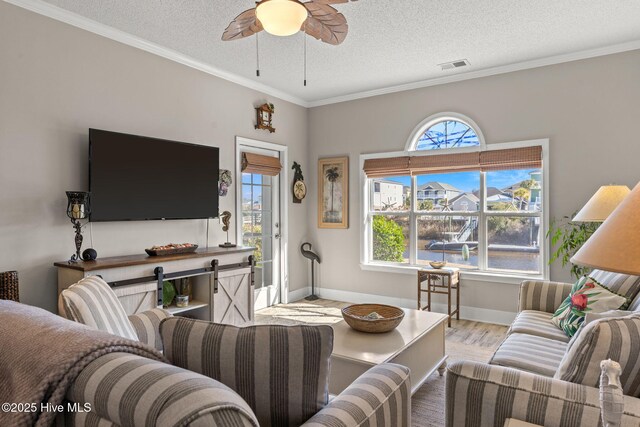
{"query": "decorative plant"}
pixel 567 237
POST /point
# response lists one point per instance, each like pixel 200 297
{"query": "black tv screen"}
pixel 139 178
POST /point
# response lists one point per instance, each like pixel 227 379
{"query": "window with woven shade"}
pixel 478 210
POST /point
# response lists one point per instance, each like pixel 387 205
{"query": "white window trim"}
pixel 482 275
pixel 422 127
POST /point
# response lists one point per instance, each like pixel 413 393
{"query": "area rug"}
pixel 465 340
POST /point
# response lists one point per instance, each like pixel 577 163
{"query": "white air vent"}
pixel 454 64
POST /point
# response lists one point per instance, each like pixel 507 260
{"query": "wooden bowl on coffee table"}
pixel 356 317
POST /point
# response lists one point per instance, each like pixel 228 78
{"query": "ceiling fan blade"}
pixel 325 23
pixel 332 1
pixel 246 24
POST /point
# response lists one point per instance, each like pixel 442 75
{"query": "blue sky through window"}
pixel 470 181
pixel 448 134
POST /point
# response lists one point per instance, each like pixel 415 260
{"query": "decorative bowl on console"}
pixel 372 318
pixel 171 249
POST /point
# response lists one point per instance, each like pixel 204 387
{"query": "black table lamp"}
pixel 78 208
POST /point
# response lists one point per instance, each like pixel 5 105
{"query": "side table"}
pixel 440 281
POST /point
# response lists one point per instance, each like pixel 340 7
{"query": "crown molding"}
pixel 63 15
pixel 54 12
pixel 503 69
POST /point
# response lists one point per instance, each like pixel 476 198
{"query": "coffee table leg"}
pixel 442 368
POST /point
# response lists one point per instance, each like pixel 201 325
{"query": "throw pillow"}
pixel 92 302
pixel 282 372
pixel 615 338
pixel 586 295
pixel 592 317
pixel 622 284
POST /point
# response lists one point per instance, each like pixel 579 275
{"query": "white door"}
pixel 261 228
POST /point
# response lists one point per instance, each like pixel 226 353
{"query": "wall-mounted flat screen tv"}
pixel 139 178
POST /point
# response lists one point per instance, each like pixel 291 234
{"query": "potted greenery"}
pixel 567 237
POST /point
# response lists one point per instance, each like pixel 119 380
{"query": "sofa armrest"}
pixel 479 394
pixel 130 390
pixel 147 326
pixel 542 295
pixel 382 393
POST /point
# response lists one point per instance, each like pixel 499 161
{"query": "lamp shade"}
pixel 615 246
pixel 281 17
pixel 601 204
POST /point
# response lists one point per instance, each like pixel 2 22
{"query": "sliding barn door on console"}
pixel 233 300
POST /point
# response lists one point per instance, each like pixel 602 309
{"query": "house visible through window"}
pixel 477 211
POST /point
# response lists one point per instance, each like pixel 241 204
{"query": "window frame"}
pixel 422 127
pixel 482 273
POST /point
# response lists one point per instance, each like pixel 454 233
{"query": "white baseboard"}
pixel 466 313
pixel 298 294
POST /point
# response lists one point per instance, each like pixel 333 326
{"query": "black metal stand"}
pixel 78 240
pixel 313 295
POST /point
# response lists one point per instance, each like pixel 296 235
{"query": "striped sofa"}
pixel 539 375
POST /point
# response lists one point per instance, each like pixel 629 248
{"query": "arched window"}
pixel 446 131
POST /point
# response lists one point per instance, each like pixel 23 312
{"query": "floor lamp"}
pixel 615 246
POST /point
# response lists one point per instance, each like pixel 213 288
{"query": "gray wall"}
pixel 56 81
pixel 588 109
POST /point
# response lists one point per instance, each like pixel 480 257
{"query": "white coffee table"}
pixel 418 343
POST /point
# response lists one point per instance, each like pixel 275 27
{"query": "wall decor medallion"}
pixel 299 187
pixel 224 183
pixel 333 192
pixel 264 117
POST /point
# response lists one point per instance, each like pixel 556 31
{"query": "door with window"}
pixel 260 215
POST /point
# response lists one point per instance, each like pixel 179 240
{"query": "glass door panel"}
pixel 260 229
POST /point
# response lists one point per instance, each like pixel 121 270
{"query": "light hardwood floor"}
pixel 464 340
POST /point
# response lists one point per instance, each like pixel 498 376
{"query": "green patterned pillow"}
pixel 586 296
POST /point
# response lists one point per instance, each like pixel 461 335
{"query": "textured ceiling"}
pixel 390 42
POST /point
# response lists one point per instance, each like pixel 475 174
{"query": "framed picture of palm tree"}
pixel 333 192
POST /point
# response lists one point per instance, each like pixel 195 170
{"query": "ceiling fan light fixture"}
pixel 281 17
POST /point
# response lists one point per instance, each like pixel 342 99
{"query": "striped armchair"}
pixel 121 389
pixel 220 375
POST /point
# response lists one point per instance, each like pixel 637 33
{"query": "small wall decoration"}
pixel 264 116
pixel 224 183
pixel 333 192
pixel 299 187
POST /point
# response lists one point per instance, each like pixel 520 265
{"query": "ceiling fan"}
pixel 286 17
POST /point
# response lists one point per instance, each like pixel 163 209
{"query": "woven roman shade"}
pixel 512 158
pixel 263 165
pixel 443 163
pixel 392 166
